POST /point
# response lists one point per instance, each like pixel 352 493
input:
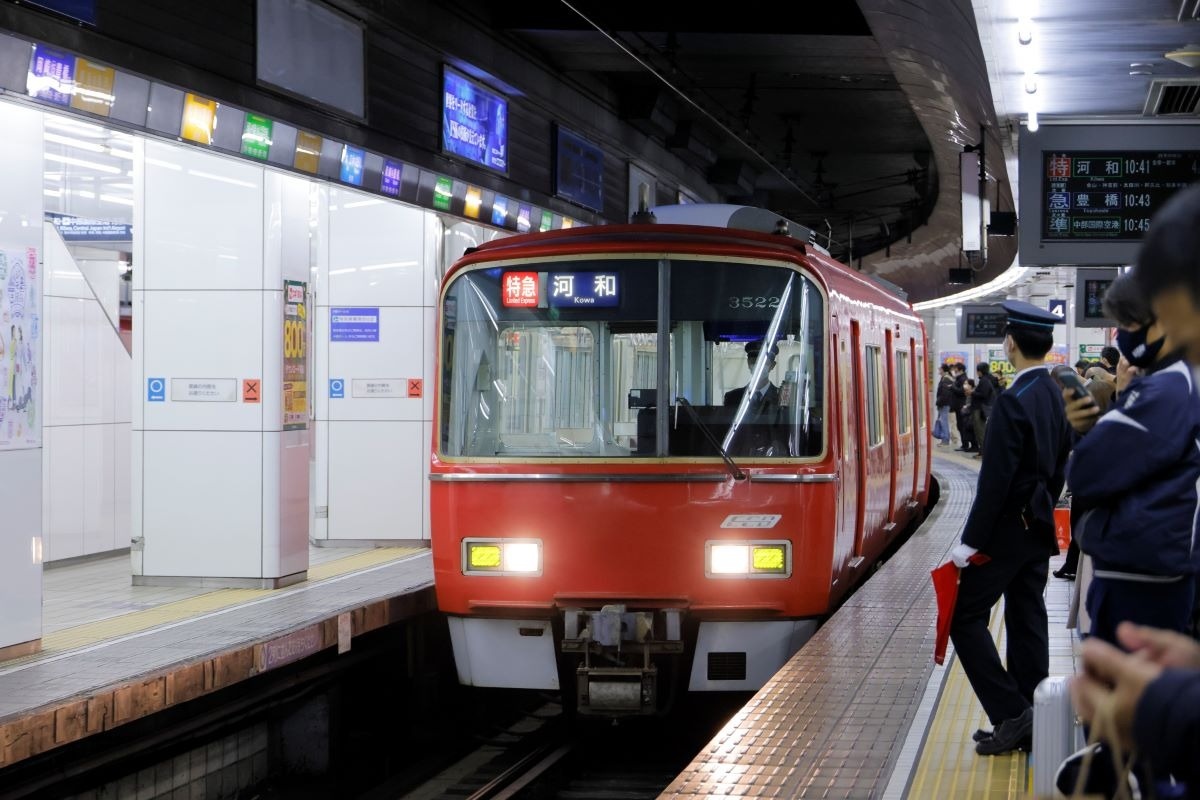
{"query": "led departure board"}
pixel 1089 190
pixel 1094 196
pixel 982 324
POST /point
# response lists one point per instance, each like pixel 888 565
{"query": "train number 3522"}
pixel 753 302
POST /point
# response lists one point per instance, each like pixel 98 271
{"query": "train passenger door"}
pixel 893 411
pixel 856 444
pixel 846 455
pixel 920 396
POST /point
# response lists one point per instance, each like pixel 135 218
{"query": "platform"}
pixel 113 653
pixel 861 711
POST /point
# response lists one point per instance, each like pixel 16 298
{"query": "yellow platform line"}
pixel 949 765
pixel 145 619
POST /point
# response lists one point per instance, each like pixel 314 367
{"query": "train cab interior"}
pixel 554 380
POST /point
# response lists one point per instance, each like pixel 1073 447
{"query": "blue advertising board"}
pixel 389 182
pixel 575 289
pixel 51 75
pixel 352 165
pixel 474 122
pixel 578 170
pixel 354 324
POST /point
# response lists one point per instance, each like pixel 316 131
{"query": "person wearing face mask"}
pixel 1012 522
pixel 1136 516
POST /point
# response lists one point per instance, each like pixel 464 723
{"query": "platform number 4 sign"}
pixel 1058 308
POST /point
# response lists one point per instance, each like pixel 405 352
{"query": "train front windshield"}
pixel 632 357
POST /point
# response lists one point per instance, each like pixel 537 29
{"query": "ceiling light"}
pixel 80 162
pixel 1188 55
pixel 1030 82
pixel 1032 123
pixel 1141 68
pixel 1025 30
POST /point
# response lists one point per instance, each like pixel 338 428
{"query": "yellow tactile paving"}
pixel 949 765
pixel 133 622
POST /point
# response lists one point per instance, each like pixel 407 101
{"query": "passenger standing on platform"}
pixel 1137 517
pixel 1012 522
pixel 1153 694
pixel 958 407
pixel 981 402
pixel 943 400
pixel 1109 356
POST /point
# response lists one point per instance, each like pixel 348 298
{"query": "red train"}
pixel 612 515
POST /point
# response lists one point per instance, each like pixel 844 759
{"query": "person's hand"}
pixel 1111 684
pixel 961 554
pixel 1125 373
pixel 1082 412
pixel 1161 647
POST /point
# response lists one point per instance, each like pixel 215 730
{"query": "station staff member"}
pixel 1012 522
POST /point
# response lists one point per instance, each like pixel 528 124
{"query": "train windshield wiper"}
pixel 734 469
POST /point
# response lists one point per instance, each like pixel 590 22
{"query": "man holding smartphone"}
pixel 1012 522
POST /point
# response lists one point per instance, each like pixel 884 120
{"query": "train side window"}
pixel 920 377
pixel 873 363
pixel 904 393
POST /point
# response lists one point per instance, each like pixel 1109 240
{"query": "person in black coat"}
pixel 982 400
pixel 1012 523
pixel 765 394
pixel 944 400
pixel 760 419
pixel 958 401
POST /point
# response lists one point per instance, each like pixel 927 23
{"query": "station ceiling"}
pixel 849 116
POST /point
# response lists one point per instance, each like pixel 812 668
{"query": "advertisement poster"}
pixel 295 356
pixel 1057 354
pixel 20 349
pixel 998 364
pixel 952 357
pixel 474 122
pixel 1090 352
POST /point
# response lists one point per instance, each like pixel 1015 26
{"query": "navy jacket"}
pixel 1134 477
pixel 1021 477
pixel 1166 725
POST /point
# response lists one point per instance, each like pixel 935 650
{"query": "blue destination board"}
pixel 577 289
pixel 354 324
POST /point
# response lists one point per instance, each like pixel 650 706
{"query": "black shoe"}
pixel 1011 734
pixel 1063 574
pixel 980 735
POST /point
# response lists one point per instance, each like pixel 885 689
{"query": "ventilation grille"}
pixel 727 666
pixel 1173 97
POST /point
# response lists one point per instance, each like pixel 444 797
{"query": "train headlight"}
pixel 502 557
pixel 772 559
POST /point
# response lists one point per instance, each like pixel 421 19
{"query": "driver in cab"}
pixel 762 432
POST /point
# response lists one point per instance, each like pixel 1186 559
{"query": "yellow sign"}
pixel 473 200
pixel 93 87
pixel 199 118
pixel 308 152
pixel 295 356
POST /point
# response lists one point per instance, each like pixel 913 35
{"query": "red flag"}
pixel 945 589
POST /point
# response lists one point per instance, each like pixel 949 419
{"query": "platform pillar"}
pixel 20 381
pixel 220 359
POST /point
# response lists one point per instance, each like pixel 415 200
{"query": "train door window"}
pixel 921 400
pixel 903 394
pixel 874 385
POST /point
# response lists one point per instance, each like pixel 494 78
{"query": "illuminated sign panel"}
pixel 352 165
pixel 574 289
pixel 474 122
pixel 256 137
pixel 982 324
pixel 199 117
pixel 1093 196
pixel 51 75
pixel 519 290
pixel 390 180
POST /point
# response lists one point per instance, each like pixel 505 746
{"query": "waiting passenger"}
pixel 944 400
pixel 1109 356
pixel 1012 522
pixel 1133 479
pixel 1152 695
pixel 981 402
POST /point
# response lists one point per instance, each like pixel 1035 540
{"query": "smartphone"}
pixel 1068 378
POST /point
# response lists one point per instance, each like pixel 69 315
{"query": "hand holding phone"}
pixel 1069 379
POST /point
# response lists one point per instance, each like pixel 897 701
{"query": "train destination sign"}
pixel 574 289
pixel 1107 195
pixel 982 324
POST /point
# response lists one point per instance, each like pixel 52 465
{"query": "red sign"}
pixel 250 390
pixel 415 386
pixel 519 290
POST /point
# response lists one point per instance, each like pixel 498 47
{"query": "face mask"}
pixel 1136 349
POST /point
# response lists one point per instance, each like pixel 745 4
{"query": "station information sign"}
pixel 1110 196
pixel 982 324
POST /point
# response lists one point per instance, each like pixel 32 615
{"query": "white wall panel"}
pixel 63 360
pixel 122 388
pixel 122 491
pixel 202 335
pixel 98 489
pixel 202 503
pixel 104 283
pixel 97 365
pixel 137 497
pixel 375 490
pixel 271 370
pixel 399 354
pixel 62 277
pixel 293 450
pixel 429 352
pixel 64 527
pixel 203 220
pixel 376 251
pixel 21 544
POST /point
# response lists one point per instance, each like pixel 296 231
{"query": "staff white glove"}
pixel 961 554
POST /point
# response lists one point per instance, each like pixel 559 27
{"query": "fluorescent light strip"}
pixel 79 162
pixel 1007 279
pixel 388 265
pixel 112 198
pixel 222 179
pixel 65 124
pixel 71 141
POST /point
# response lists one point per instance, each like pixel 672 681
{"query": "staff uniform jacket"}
pixel 1021 477
pixel 1135 476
